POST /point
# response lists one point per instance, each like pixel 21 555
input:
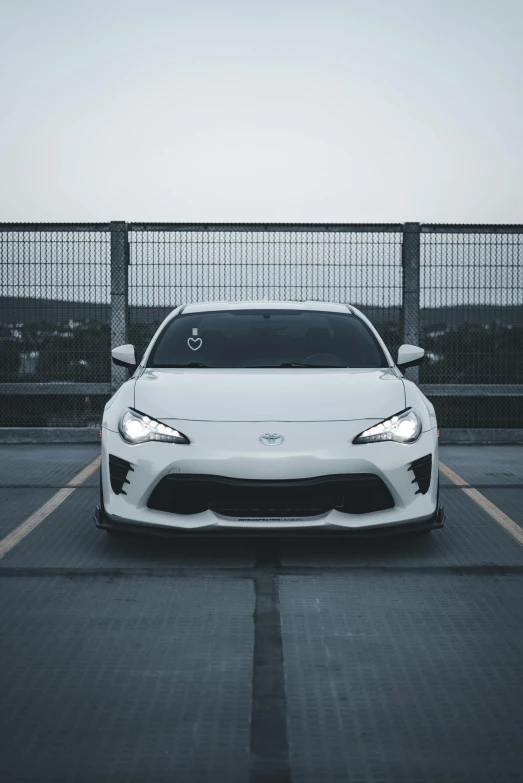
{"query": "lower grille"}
pixel 422 469
pixel 191 494
pixel 118 470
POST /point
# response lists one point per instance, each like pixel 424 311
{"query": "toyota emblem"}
pixel 271 439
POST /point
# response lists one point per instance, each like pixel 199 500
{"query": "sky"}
pixel 261 111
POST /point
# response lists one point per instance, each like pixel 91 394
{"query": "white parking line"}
pixel 16 535
pixel 492 510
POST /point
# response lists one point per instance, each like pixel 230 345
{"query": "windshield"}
pixel 267 338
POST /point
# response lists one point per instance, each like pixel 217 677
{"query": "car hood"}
pixel 279 394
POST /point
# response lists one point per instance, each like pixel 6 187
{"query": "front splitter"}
pixel 103 522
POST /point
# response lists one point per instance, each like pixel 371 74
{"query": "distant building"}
pixel 28 362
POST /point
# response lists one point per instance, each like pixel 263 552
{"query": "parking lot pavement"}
pixel 403 677
pixel 126 680
pixel 134 659
pixel 511 501
pixel 496 471
pixel 30 475
pixel 45 466
pixel 16 503
pixel 480 465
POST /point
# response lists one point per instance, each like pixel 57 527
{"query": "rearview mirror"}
pixel 124 356
pixel 409 356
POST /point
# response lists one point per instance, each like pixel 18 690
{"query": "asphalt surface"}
pixel 125 660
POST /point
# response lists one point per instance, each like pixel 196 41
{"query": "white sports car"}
pixel 267 417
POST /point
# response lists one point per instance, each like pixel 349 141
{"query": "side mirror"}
pixel 124 356
pixel 409 356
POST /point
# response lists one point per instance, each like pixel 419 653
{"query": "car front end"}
pixel 226 479
pixel 285 448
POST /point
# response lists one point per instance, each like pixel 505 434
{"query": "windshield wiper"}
pixel 169 366
pixel 296 364
pixel 301 364
pixel 248 366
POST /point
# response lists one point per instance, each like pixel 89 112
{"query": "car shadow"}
pixel 206 551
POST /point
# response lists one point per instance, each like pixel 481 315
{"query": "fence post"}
pixel 411 290
pixel 119 297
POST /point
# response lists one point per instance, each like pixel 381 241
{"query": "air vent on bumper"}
pixel 118 470
pixel 191 494
pixel 422 469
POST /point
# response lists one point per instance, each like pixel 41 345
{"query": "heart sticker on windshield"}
pixel 194 343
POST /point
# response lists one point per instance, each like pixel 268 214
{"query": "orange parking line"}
pixel 19 533
pixel 492 510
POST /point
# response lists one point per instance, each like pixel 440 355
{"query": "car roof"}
pixel 202 307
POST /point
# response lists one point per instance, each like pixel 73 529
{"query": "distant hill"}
pixel 29 310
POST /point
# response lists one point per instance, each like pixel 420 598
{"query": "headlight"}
pixel 136 427
pixel 404 427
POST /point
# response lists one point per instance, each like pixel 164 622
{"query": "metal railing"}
pixel 71 291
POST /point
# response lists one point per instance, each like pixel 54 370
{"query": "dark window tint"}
pixel 267 338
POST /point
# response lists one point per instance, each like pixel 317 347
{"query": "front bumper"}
pixel 103 522
pixel 232 449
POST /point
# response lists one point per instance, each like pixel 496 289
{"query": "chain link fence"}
pixel 471 310
pixel 195 264
pixel 54 324
pixel 69 292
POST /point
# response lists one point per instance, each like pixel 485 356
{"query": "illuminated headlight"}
pixel 404 427
pixel 138 428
